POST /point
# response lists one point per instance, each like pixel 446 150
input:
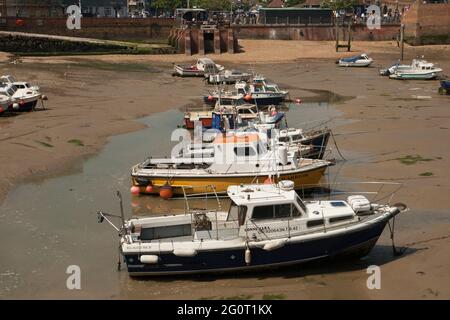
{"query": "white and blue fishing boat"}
pixel 260 92
pixel 418 70
pixel 361 60
pixel 266 225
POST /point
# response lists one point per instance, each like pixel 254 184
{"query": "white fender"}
pixel 185 252
pixel 149 259
pixel 274 244
pixel 248 256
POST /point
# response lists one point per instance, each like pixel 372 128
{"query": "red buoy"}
pixel 268 180
pixel 166 192
pixel 149 189
pixel 135 190
pixel 298 100
pixel 248 97
pixel 210 98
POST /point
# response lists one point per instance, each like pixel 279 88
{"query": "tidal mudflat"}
pixel 61 165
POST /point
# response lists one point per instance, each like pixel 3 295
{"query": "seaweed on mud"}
pixel 413 159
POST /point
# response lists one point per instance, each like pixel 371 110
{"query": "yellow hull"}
pixel 199 185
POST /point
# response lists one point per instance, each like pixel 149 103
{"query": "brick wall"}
pixel 279 32
pixel 427 23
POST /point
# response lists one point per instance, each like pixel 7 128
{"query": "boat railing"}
pixel 209 189
pixel 374 191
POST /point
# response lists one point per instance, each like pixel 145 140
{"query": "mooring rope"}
pixel 337 148
pixel 392 232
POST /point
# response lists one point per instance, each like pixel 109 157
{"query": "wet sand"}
pixel 92 98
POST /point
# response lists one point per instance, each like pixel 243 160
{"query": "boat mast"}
pixel 122 215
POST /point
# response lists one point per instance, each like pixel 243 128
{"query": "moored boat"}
pixel 260 92
pixel 316 139
pixel 265 226
pixel 199 69
pixel 362 60
pixel 23 99
pixel 237 158
pixel 227 77
pixel 227 113
pixel 418 70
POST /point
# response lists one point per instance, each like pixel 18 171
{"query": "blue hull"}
pixel 358 242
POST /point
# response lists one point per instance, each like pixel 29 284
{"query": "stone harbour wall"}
pixel 427 23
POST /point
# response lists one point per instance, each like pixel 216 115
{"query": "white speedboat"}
pixel 418 70
pixel 362 60
pixel 23 99
pixel 199 69
pixel 266 225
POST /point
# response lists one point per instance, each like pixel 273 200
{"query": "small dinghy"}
pixel 266 225
pixel 203 66
pixel 361 60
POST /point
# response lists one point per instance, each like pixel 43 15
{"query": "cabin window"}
pixel 244 151
pixel 274 211
pixel 300 203
pixel 262 212
pixel 233 212
pixel 242 214
pixel 314 223
pixel 166 232
pixel 237 213
pixel 283 139
pixel 295 211
pixel 282 211
pixel 339 219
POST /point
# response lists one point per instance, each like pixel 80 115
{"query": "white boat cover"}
pixel 359 203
